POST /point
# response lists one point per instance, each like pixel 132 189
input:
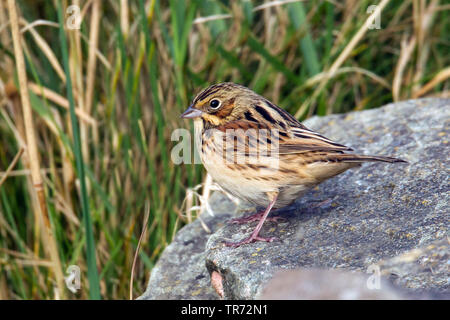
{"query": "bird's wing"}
pixel 295 137
pixel 303 139
pixel 257 135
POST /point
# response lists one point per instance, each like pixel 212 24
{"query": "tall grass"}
pixel 106 98
pixel 92 272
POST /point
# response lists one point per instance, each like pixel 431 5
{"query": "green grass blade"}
pixel 94 283
pixel 298 18
pixel 278 65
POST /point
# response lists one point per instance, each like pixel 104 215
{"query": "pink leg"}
pixel 254 236
pixel 254 217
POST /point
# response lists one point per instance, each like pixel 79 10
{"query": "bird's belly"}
pixel 256 192
pixel 233 180
pixel 254 186
pixel 288 194
pixel 253 182
pixel 237 179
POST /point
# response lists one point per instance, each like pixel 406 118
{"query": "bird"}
pixel 258 152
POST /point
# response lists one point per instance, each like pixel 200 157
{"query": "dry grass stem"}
pixel 11 166
pixel 141 237
pixel 49 240
pixel 342 57
pixel 440 77
pixel 60 101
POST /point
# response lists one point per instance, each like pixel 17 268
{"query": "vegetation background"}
pixel 106 97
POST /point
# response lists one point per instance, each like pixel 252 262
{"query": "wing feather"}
pixel 303 139
pixel 290 141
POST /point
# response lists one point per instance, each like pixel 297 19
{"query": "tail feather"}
pixel 363 158
pixel 342 162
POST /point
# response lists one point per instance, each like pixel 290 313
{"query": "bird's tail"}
pixel 344 161
pixel 356 158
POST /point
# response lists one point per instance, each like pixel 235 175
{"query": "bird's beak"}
pixel 191 113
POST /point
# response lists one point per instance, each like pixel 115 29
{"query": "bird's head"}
pixel 221 103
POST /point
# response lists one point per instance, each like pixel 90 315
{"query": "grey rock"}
pixel 364 217
pixel 317 284
pixel 180 272
pixel 428 265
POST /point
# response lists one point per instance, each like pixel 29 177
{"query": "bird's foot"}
pixel 252 238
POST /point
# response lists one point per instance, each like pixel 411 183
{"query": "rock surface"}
pixel 316 284
pixel 428 265
pixel 389 216
pixel 180 272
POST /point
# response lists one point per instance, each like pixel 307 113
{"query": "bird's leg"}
pixel 254 236
pixel 254 217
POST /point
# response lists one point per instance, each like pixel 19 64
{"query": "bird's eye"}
pixel 214 103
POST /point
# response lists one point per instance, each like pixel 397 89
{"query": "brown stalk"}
pixel 20 173
pixel 92 61
pixel 142 236
pixel 49 239
pixel 405 55
pixel 341 58
pixel 5 60
pixel 427 15
pixel 45 48
pixel 61 101
pixel 3 287
pixel 18 128
pixel 76 67
pixel 438 78
pixel 11 166
pixel 124 23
